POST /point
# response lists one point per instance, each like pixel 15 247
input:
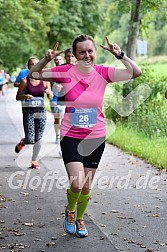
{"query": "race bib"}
pixel 84 118
pixel 36 102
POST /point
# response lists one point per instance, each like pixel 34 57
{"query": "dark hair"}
pixel 68 50
pixel 81 38
pixel 29 60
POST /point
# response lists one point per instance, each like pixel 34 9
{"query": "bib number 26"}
pixel 83 118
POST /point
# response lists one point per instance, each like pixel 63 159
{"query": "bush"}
pixel 150 117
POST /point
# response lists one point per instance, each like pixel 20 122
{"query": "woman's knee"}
pixel 85 190
pixel 75 185
pixel 80 186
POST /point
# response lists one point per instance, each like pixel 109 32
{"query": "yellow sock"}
pixel 82 204
pixel 72 199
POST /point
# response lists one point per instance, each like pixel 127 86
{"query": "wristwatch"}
pixel 120 56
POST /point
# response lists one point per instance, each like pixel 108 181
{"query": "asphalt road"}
pixel 127 211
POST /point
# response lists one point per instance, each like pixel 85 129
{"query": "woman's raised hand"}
pixel 113 48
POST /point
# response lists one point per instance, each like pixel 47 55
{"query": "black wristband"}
pixel 120 56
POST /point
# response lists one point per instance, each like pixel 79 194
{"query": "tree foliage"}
pixel 30 27
pixel 74 17
pixel 138 15
pixel 23 24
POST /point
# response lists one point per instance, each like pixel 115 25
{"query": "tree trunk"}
pixel 134 25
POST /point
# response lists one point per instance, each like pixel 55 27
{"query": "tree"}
pixel 134 25
pixel 140 9
pixel 23 30
pixel 137 25
pixel 74 18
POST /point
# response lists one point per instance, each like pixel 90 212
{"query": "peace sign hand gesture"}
pixel 113 48
pixel 51 53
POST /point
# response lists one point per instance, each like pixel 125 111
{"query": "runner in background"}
pixel 34 113
pixel 22 75
pixel 4 80
pixel 12 79
pixel 53 103
pixel 58 102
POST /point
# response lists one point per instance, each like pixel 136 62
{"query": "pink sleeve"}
pixel 106 72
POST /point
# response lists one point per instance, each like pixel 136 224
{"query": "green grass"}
pixel 157 63
pixel 160 59
pixel 152 151
pixel 159 69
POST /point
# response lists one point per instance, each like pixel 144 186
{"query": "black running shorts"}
pixel 86 151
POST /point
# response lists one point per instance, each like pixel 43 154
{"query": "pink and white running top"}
pixel 83 92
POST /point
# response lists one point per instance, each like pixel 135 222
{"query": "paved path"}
pixel 127 211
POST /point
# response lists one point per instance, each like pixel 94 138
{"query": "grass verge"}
pixel 152 150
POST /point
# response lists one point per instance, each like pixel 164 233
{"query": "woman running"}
pixel 34 113
pixel 83 128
